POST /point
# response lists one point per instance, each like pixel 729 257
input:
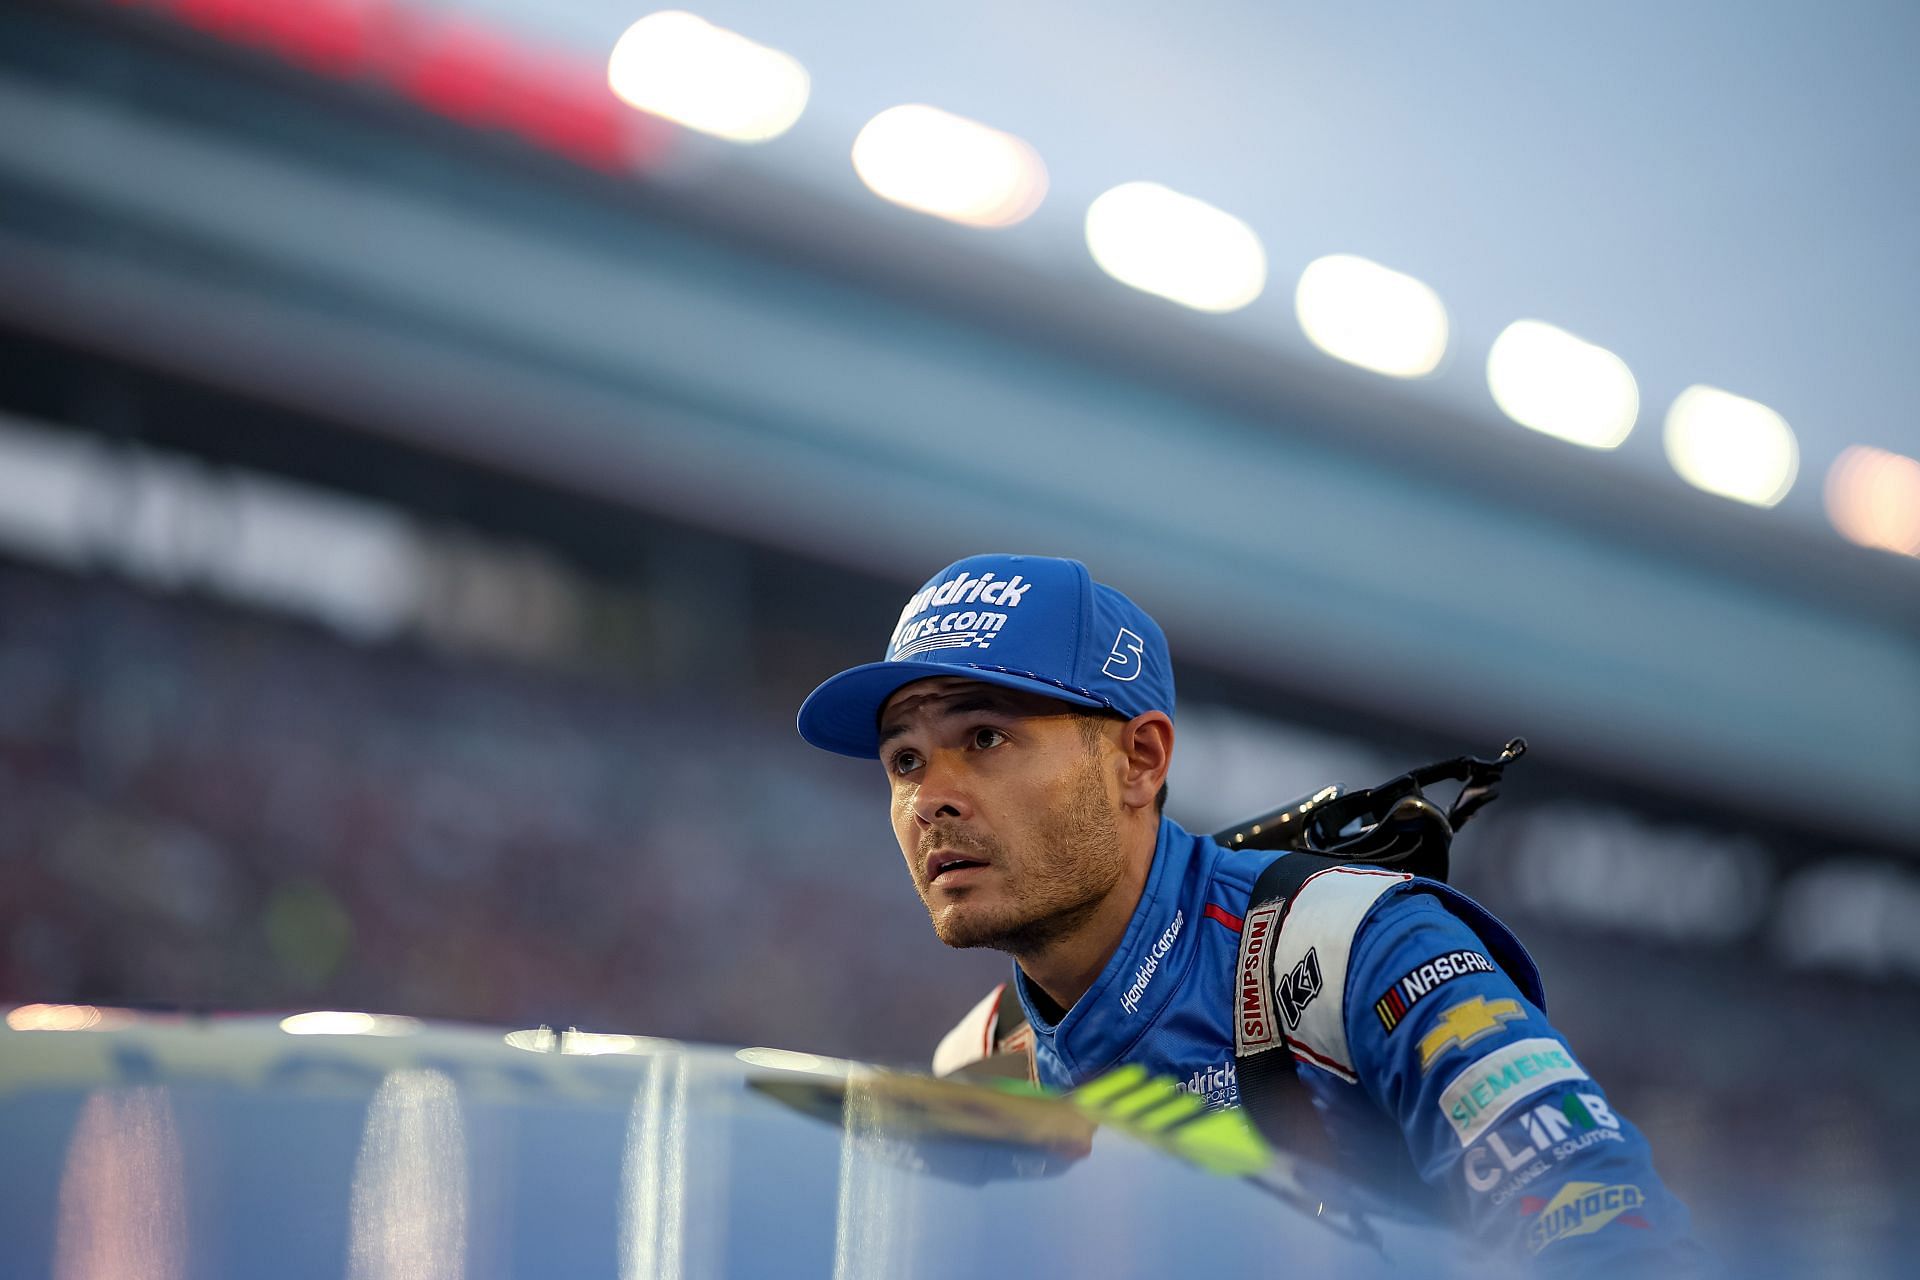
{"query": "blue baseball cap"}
pixel 1026 622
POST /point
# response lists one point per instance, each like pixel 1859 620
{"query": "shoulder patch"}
pixel 1421 981
pixel 1308 972
pixel 1298 989
pixel 973 1039
pixel 1466 1023
pixel 1254 1028
pixel 1474 1100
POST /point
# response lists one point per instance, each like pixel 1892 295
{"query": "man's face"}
pixel 1006 809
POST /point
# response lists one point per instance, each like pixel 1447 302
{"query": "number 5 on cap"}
pixel 1126 660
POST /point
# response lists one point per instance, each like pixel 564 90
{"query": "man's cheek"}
pixel 905 834
pixel 902 810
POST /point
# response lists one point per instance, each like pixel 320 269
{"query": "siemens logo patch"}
pixel 954 622
pixel 1490 1087
pixel 1414 985
pixel 1151 965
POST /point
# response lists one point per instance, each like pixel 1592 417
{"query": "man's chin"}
pixel 968 925
pixel 964 926
pixel 963 934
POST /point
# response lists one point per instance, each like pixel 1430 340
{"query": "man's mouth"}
pixel 948 867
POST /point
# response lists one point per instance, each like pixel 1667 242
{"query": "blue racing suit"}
pixel 1417 1022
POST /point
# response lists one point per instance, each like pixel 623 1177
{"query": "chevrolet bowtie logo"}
pixel 1466 1022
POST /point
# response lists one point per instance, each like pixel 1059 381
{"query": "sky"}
pixel 1721 192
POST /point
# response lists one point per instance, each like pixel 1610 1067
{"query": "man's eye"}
pixel 903 762
pixel 986 738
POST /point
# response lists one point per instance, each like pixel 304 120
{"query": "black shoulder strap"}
pixel 1270 1088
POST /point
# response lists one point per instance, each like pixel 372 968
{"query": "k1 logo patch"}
pixel 1298 988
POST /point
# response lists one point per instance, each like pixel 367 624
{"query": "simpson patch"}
pixel 1254 1029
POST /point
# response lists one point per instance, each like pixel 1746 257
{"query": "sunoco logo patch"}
pixel 1580 1209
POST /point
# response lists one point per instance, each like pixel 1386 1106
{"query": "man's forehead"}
pixel 937 693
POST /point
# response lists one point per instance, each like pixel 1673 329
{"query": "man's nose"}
pixel 942 793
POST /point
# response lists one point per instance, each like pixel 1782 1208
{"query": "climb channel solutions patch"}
pixel 1482 1093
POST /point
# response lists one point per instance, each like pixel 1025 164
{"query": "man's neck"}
pixel 1068 965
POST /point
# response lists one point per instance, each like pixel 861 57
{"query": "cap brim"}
pixel 843 714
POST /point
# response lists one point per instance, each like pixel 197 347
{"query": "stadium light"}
pixel 329 1022
pixel 1731 446
pixel 1176 247
pixel 682 67
pixel 63 1017
pixel 534 1040
pixel 793 1060
pixel 934 162
pixel 1372 316
pixel 595 1044
pixel 1873 498
pixel 1549 381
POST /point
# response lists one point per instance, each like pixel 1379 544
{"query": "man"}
pixel 1024 717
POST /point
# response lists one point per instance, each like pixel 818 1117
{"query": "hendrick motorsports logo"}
pixel 1219 1085
pixel 958 627
pixel 1580 1209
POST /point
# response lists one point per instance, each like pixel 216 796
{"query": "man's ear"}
pixel 1147 742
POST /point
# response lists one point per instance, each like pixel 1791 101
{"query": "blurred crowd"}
pixel 213 810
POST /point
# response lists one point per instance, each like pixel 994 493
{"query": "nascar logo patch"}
pixel 1413 986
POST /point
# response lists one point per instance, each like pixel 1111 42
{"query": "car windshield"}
pixel 386 1148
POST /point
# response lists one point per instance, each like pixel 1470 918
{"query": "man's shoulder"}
pixel 1213 866
pixel 1348 925
pixel 1361 903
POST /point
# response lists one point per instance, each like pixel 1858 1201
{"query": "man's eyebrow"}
pixel 967 706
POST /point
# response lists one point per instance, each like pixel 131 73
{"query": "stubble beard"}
pixel 1053 888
